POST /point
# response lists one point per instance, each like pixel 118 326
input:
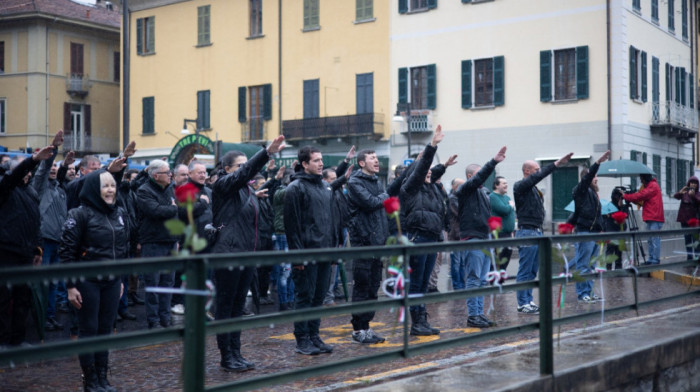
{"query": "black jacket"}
pixel 236 209
pixel 20 224
pixel 422 203
pixel 202 212
pixel 475 205
pixel 155 206
pixel 94 231
pixel 587 204
pixel 307 218
pixel 529 204
pixel 368 222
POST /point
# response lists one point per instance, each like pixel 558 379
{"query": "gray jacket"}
pixel 52 207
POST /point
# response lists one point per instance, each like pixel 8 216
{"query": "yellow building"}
pixel 241 71
pixel 59 68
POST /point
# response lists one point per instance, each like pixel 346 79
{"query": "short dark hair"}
pixel 363 153
pixel 497 181
pixel 230 157
pixel 87 159
pixel 398 170
pixel 305 152
pixel 326 172
pixel 646 178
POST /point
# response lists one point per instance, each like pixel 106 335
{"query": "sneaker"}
pixel 266 300
pixel 587 300
pixel 305 347
pixel 126 315
pixel 361 336
pixel 320 345
pixel 596 298
pixel 527 309
pixel 55 323
pixel 534 306
pixel 374 337
pixel 476 322
pixel 178 309
pixel 486 320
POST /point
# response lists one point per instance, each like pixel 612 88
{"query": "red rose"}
pixel 186 192
pixel 495 223
pixel 566 228
pixel 619 217
pixel 693 222
pixel 391 205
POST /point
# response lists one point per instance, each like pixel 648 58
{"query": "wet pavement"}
pixel 158 367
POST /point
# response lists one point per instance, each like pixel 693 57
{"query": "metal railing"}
pixel 672 113
pixel 195 329
pixel 366 124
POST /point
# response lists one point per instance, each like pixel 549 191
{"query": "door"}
pixel 564 179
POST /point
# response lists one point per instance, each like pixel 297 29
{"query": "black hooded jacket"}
pixel 475 205
pixel 20 221
pixel 587 204
pixel 422 203
pixel 307 213
pixel 155 206
pixel 94 231
pixel 368 224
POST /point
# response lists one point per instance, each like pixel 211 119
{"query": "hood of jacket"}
pixel 90 193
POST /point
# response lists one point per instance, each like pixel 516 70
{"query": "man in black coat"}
pixel 308 225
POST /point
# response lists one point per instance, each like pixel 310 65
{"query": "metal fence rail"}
pixel 194 332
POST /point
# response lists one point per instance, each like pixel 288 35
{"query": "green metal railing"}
pixel 194 332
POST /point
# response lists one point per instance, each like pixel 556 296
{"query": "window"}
pixel 364 9
pixel 364 100
pixel 679 86
pixel 203 25
pixel 116 66
pixel 670 175
pixel 486 86
pixel 671 17
pixel 655 11
pixel 3 116
pixel 203 110
pixel 77 126
pixel 656 167
pixel 570 72
pixel 638 74
pixel 148 115
pixel 655 80
pixel 416 5
pixel 684 19
pixel 146 35
pixel 255 18
pixel 311 14
pixel 76 60
pixel 260 110
pixel 2 57
pixel 418 87
pixel 636 5
pixel 311 98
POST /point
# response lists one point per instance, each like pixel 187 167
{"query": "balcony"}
pixel 674 120
pixel 321 128
pixel 421 121
pixel 77 85
pixel 88 144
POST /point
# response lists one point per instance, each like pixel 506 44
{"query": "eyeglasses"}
pixel 165 172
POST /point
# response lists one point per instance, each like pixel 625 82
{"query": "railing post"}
pixel 194 339
pixel 406 309
pixel 545 290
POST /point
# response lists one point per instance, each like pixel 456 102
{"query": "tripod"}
pixel 633 226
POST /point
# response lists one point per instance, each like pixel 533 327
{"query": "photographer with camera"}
pixel 610 225
pixel 649 198
pixel 690 202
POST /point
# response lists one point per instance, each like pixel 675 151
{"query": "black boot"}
pixel 90 382
pixel 417 328
pixel 424 321
pixel 101 370
pixel 230 364
pixel 238 357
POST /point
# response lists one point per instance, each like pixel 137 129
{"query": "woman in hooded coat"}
pixel 690 203
pixel 97 230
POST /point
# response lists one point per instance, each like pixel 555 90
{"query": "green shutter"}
pixel 546 76
pixel 582 72
pixel 668 82
pixel 151 25
pixel 499 98
pixel 466 84
pixel 432 86
pixel 466 1
pixel 684 77
pixel 656 167
pixel 633 156
pixel 669 175
pixel 655 10
pixel 403 6
pixel 203 109
pixel 139 36
pixel 242 105
pixel 654 80
pixel 403 85
pixel 633 73
pixel 691 94
pixel 267 102
pixel 644 76
pixel 680 173
pixel 147 115
pixel 432 4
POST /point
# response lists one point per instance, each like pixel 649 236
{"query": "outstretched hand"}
pixel 501 155
pixel 437 136
pixel 277 145
pixel 451 161
pixel 348 172
pixel 130 149
pixel 350 154
pixel 69 159
pixel 603 158
pixel 43 154
pixel 58 139
pixel 280 173
pixel 117 165
pixel 564 160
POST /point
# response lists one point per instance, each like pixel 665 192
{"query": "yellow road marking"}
pixel 390 372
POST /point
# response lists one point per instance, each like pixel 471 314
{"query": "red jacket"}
pixel 653 209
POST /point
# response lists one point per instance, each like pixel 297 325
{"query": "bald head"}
pixel 456 183
pixel 471 170
pixel 530 167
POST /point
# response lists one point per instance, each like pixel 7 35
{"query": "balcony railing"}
pixel 367 124
pixel 88 144
pixel 77 84
pixel 254 130
pixel 675 120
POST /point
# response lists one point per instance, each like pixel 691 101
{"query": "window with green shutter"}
pixel 682 84
pixel 147 115
pixel 203 25
pixel 486 88
pixel 582 72
pixel 655 82
pixel 145 35
pixel 655 11
pixel 267 101
pixel 637 6
pixel 203 109
pixel 671 16
pixel 403 85
pixel 311 14
pixel 684 19
pixel 670 175
pixel 656 167
pixel 466 84
pixel 564 74
pixel 681 174
pixel 242 94
pixel 406 6
pixel 638 74
pixel 546 75
pixel 364 10
pixel 431 96
pixel 418 85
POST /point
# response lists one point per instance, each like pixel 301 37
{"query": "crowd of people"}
pixel 54 215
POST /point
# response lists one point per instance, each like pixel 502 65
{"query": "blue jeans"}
pixel 528 266
pixel 582 263
pixel 285 283
pixel 654 243
pixel 421 268
pixel 477 267
pixel 50 256
pixel 457 270
pixel 158 305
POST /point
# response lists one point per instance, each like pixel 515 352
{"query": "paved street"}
pixel 157 368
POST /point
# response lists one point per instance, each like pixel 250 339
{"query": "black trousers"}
pixel 367 275
pixel 15 304
pixel 97 314
pixel 231 291
pixel 310 287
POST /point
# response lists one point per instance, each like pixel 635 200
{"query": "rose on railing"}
pixel 394 286
pixel 495 225
pixel 392 206
pixel 619 217
pixel 693 222
pixel 192 243
pixel 565 228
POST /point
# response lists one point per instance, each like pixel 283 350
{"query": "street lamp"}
pixel 405 107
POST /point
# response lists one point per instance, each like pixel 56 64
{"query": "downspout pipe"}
pixel 126 56
pixel 279 66
pixel 607 26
